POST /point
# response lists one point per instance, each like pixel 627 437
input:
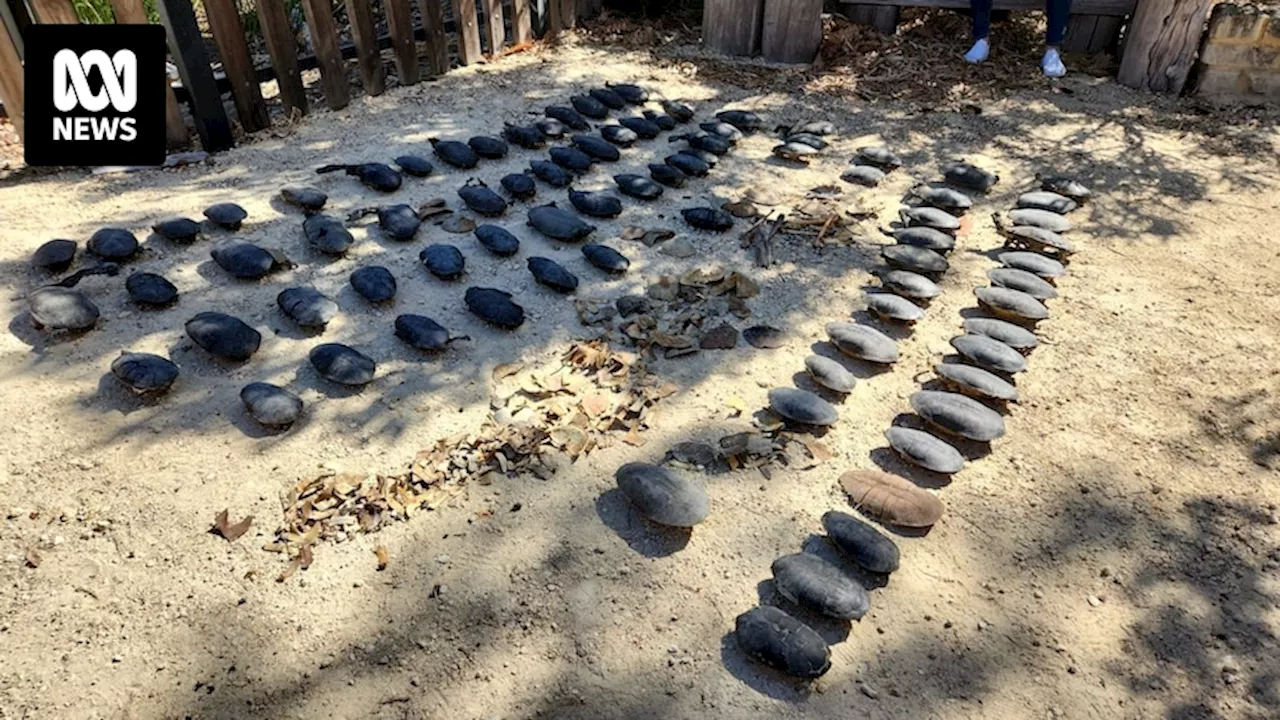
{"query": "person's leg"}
pixel 1057 13
pixel 981 10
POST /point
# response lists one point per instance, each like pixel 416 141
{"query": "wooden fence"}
pixel 415 48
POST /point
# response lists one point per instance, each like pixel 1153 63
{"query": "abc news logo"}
pixel 95 95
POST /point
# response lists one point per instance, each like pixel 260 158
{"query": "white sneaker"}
pixel 979 52
pixel 1052 64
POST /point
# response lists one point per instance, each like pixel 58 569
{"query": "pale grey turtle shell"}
pixel 1046 200
pixel 910 285
pixel 975 382
pixel 1021 280
pixel 60 308
pixel 888 306
pixel 921 448
pixel 1012 304
pixel 914 259
pixel 931 217
pixel 863 342
pixel 989 354
pixel 662 496
pixel 925 237
pixel 830 374
pixel 1045 219
pixel 958 415
pixel 1032 262
pixel 1015 336
pixel 802 406
pixel 307 306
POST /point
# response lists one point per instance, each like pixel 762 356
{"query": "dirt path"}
pixel 1115 555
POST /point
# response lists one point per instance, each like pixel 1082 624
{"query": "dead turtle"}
pixel 144 373
pixel 527 137
pixel 802 406
pixel 953 201
pixel 989 354
pixel 744 120
pixel 668 175
pixel 1016 337
pixel 567 115
pixel 605 258
pixel 914 258
pixel 920 448
pixel 457 154
pixel 862 342
pixel 681 112
pixel 1029 283
pixel 690 165
pixel 422 333
pixel 308 198
pixel 967 175
pixel 558 224
pixel 1035 263
pixel 958 415
pixel 638 186
pixel 1011 304
pixel 481 199
pixel 224 336
pixel 809 581
pixel 596 147
pixel 881 157
pixel 399 221
pixel 497 240
pixel 662 496
pixel 114 244
pixel 342 364
pixel 378 176
pixel 707 218
pixel 724 130
pixel 795 152
pixel 633 94
pixel 865 175
pixel 552 274
pixel 374 283
pixel 929 217
pixel 644 128
pixel 706 142
pixel 619 135
pixel 923 237
pixel 711 159
pixel 1033 238
pixel 227 215
pixel 327 234
pixel 307 306
pixel 893 500
pixel 271 405
pixel 550 173
pixel 444 261
pixel 860 542
pixel 809 139
pixel 494 307
pixel 57 308
pixel 975 382
pixel 150 289
pixel 893 308
pixel 177 229
pixel 771 636
pixel 595 204
pixel 55 255
pixel 764 337
pixel 830 374
pixel 1045 200
pixel 1044 219
pixel 414 165
pixel 571 159
pixel 665 122
pixel 608 98
pixel 816 127
pixel 1065 186
pixel 521 186
pixel 489 147
pixel 909 285
pixel 245 261
pixel 551 128
pixel 589 107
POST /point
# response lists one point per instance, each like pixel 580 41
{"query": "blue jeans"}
pixel 1056 11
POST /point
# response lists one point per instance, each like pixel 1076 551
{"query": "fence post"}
pixel 365 36
pixel 187 48
pixel 495 25
pixel 464 15
pixel 437 43
pixel 1161 44
pixel 324 38
pixel 521 21
pixel 54 12
pixel 400 26
pixel 732 27
pixel 131 12
pixel 284 54
pixel 11 80
pixel 791 31
pixel 228 33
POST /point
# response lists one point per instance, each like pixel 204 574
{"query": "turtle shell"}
pixel 794 151
pixel 414 165
pixel 55 255
pixel 224 336
pixel 1066 186
pixel 1045 200
pixel 816 127
pixel 881 157
pixel 497 240
pixel 341 364
pixel 944 198
pixel 567 115
pixel 550 173
pixel 724 130
pixel 177 229
pixel 571 158
pixel 644 128
pixel 1029 283
pixel 989 354
pixel 1038 239
pixel 444 261
pixel 688 164
pixel 860 542
pixel 150 289
pixel 374 283
pixel 228 215
pixel 60 308
pixel 809 581
pixel 809 139
pixel 764 337
pixel 550 273
pixel 271 405
pixel 663 121
pixel 970 176
pixel 489 147
pixel 1035 263
pixel 144 373
pixel 551 128
pixel 520 185
pixel 638 186
pixel 958 415
pixel 378 176
pixel 606 258
pixel 865 175
pixel 527 137
pixel 680 112
pixel 244 261
pixel 896 308
pixel 1016 337
pixel 925 237
pixel 307 307
pixel 1011 304
pixel 909 284
pixel 975 382
pixel 619 135
pixel 663 496
pixel 709 143
pixel 595 204
pixel 929 217
pixel 305 197
pixel 481 199
pixel 830 374
pixel 771 636
pixel 608 98
pixel 1043 219
pixel 921 448
pixel 633 94
pixel 707 218
pixel 744 120
pixel 558 224
pixel 891 499
pixel 457 154
pixel 802 406
pixel 863 342
pixel 668 175
pixel 113 244
pixel 327 234
pixel 916 259
pixel 589 106
pixel 399 221
pixel 709 158
pixel 422 333
pixel 494 307
pixel 596 147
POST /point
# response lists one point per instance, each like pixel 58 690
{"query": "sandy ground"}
pixel 1115 555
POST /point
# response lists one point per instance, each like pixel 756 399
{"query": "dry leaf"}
pixel 383 558
pixel 289 571
pixel 737 404
pixel 33 559
pixel 506 370
pixel 819 451
pixel 305 556
pixel 595 404
pixel 230 531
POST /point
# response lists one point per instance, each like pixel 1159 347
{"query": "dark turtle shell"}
pixel 1065 186
pixel 327 234
pixel 619 135
pixel 1035 263
pixel 224 336
pixel 608 98
pixel 550 173
pixel 914 258
pixel 341 364
pixel 595 204
pixel 144 373
pixel 1018 338
pixel 722 129
pixel 150 289
pixel 596 147
pixel 307 198
pixel 374 283
pixel 860 542
pixel 481 199
pixel 970 176
pixel 457 154
pixel 668 175
pixel 929 217
pixel 399 221
pixel 422 333
pixel 638 186
pixel 765 337
pixel 706 142
pixel 663 121
pixel 925 237
pixel 862 342
pixel 663 496
pixel 271 405
pixel 551 128
pixel 494 307
pixel 809 139
pixel 744 120
pixel 177 229
pixel 794 151
pixel 943 198
pixel 528 137
pixel 521 186
pixel 244 261
pixel 920 448
pixel 227 215
pixel 958 415
pixel 633 94
pixel 414 165
pixel 1011 304
pixel 771 636
pixel 688 164
pixel 571 159
pixel 830 374
pixel 679 111
pixel 606 258
pixel 497 240
pixel 989 354
pixel 60 308
pixel 909 284
pixel 1043 219
pixel 802 406
pixel 113 244
pixel 1045 200
pixel 809 581
pixel 865 175
pixel 378 176
pixel 589 106
pixel 307 306
pixel 644 128
pixel 975 382
pixel 881 157
pixel 896 308
pixel 55 255
pixel 552 274
pixel 706 218
pixel 568 116
pixel 489 147
pixel 444 261
pixel 1029 283
pixel 711 159
pixel 558 224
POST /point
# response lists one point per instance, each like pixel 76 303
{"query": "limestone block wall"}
pixel 1240 55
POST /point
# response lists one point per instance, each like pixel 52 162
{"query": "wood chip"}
pixel 33 559
pixel 228 530
pixel 383 558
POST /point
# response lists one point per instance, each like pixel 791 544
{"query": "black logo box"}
pixel 147 147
